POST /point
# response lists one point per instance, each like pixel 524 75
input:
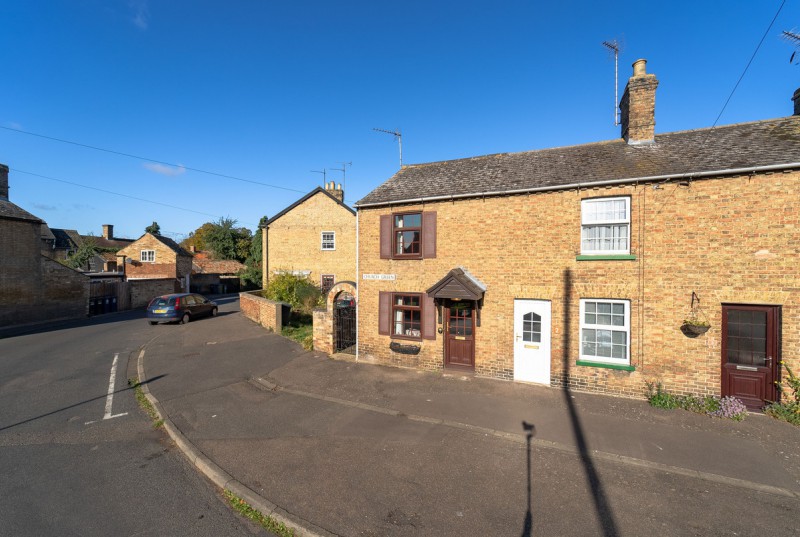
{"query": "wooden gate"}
pixel 108 297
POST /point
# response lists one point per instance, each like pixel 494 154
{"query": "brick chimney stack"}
pixel 335 190
pixel 638 106
pixel 3 182
pixel 108 231
pixel 796 99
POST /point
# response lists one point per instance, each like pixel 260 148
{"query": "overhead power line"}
pixel 147 159
pixel 15 170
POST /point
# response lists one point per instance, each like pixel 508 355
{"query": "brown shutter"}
pixel 428 235
pixel 428 317
pixel 386 236
pixel 384 312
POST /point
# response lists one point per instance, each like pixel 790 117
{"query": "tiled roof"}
pixel 211 266
pixel 304 198
pixel 174 246
pixel 743 146
pixel 12 212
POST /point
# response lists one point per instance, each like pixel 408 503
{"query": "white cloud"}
pixel 163 169
pixel 141 13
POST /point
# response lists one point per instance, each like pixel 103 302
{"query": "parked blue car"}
pixel 180 307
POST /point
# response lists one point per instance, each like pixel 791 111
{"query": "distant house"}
pixel 155 257
pixel 33 287
pixel 577 266
pixel 212 276
pixel 60 244
pixel 313 237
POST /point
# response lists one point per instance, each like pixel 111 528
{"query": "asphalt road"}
pixel 68 471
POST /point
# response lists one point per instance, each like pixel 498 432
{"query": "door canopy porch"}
pixel 457 285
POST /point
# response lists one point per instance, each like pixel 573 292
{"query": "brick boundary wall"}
pixel 267 313
pixel 323 317
pixel 142 291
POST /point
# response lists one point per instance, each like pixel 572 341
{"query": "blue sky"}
pixel 267 91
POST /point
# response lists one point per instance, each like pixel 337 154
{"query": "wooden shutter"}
pixel 384 312
pixel 386 236
pixel 428 317
pixel 428 235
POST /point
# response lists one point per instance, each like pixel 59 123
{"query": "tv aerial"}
pixel 399 137
pixel 615 47
pixel 792 37
pixel 324 173
pixel 343 169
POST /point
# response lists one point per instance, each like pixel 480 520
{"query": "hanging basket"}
pixel 695 324
pixel 694 330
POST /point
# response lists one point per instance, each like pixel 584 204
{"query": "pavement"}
pixel 332 446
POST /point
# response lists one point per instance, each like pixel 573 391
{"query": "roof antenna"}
pixel 794 38
pixel 324 173
pixel 613 46
pixel 399 137
pixel 343 169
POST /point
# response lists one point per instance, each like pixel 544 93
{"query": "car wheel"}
pixel 214 312
pixel 153 322
pixel 185 318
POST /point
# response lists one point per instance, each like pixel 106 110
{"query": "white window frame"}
pixel 147 256
pixel 626 330
pixel 328 244
pixel 587 222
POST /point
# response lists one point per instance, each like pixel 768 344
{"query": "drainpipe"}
pixel 358 294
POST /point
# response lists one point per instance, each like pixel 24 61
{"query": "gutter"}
pixel 580 186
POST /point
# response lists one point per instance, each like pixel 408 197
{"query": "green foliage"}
pixel 727 407
pixel 79 259
pixel 253 271
pixel 225 241
pixel 298 291
pixel 265 521
pixel 301 329
pixel 145 403
pixel 197 238
pixel 153 228
pixel 788 409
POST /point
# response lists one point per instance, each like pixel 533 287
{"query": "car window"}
pixel 159 301
pixel 199 299
pixel 189 300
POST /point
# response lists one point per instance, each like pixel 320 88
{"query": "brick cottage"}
pixel 577 266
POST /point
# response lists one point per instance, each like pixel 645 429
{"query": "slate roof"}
pixel 701 152
pixel 66 238
pixel 304 198
pixel 12 212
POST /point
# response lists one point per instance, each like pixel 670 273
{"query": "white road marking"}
pixel 110 397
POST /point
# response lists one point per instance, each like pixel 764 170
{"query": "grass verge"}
pixel 145 403
pixel 300 328
pixel 265 521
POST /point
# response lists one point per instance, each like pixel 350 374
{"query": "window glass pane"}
pixel 618 309
pixel 590 318
pixel 408 220
pixel 591 307
pixel 604 319
pixel 619 338
pixel 603 307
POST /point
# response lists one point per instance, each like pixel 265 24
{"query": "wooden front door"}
pixel 750 353
pixel 460 335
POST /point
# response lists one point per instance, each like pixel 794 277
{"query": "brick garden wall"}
pixel 142 291
pixel 33 287
pixel 732 240
pixel 258 309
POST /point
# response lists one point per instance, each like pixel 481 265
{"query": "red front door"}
pixel 750 353
pixel 460 340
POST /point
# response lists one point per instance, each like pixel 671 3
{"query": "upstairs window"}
pixel 605 226
pixel 147 256
pixel 408 235
pixel 406 232
pixel 328 240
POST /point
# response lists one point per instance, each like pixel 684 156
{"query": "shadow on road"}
pixel 148 381
pixel 601 504
pixel 527 525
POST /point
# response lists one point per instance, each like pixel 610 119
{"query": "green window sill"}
pixel 606 366
pixel 620 257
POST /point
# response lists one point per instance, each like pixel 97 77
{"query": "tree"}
pixel 155 229
pixel 225 241
pixel 253 268
pixel 80 258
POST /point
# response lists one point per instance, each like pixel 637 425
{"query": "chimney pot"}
pixel 639 67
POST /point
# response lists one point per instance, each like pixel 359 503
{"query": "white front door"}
pixel 532 341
